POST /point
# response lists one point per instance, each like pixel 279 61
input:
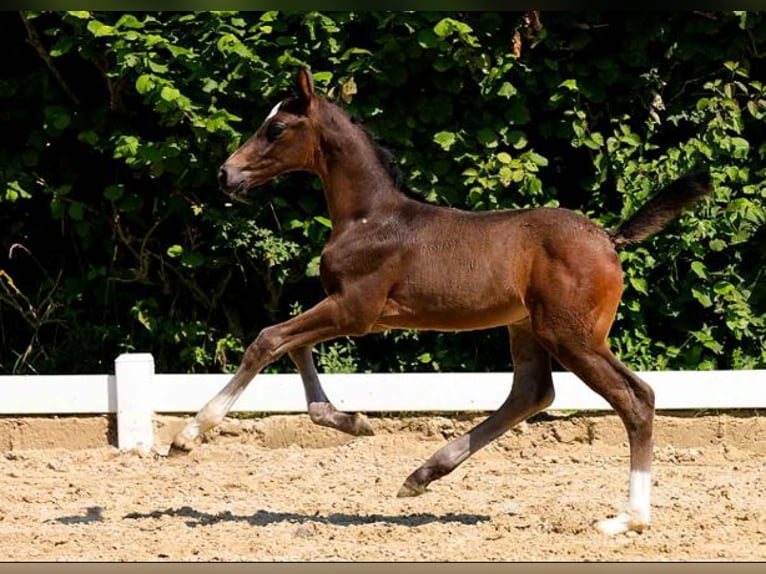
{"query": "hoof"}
pixel 409 489
pixel 177 451
pixel 326 415
pixel 179 447
pixel 361 426
pixel 621 524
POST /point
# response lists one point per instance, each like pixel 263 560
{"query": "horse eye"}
pixel 275 130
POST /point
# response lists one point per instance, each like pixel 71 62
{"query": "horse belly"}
pixel 452 306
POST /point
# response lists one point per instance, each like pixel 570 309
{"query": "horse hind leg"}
pixel 531 392
pixel 637 413
pixel 321 411
pixel 632 399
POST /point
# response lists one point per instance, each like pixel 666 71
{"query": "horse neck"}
pixel 356 184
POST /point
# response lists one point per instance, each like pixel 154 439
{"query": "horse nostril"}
pixel 222 176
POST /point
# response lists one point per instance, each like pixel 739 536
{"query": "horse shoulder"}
pixel 369 247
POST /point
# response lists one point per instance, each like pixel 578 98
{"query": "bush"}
pixel 115 237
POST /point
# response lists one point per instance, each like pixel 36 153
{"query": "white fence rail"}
pixel 135 392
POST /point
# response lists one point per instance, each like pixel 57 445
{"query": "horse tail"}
pixel 662 208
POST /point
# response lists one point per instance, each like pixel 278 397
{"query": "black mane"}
pixel 388 160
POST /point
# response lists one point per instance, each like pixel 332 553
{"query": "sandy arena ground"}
pixel 279 488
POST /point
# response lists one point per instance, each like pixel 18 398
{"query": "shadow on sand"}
pixel 264 518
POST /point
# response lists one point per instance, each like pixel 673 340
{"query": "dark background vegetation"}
pixel 114 237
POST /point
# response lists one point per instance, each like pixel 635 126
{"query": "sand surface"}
pixel 280 488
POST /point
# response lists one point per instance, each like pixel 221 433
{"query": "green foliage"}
pixel 117 238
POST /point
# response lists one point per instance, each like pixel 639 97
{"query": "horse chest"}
pixel 364 252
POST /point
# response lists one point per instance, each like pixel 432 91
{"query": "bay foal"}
pixel 550 276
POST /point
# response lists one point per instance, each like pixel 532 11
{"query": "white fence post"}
pixel 133 374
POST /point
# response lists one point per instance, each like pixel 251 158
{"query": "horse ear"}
pixel 304 83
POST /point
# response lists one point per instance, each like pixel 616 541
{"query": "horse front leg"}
pixel 321 411
pixel 320 323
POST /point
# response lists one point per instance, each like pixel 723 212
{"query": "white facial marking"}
pixel 273 112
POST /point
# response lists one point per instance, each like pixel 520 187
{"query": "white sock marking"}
pixel 636 515
pixel 639 493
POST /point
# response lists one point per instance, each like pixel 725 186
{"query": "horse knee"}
pixel 645 394
pixel 642 407
pixel 262 351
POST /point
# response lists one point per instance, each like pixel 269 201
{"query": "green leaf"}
pixel 89 137
pixel 704 336
pixel 76 211
pixel 445 139
pixel 175 251
pixel 506 175
pixel 192 259
pixel 487 137
pixel 145 83
pixel 312 268
pixel 631 139
pixel 578 129
pixel 723 288
pixel 507 90
pixel 570 84
pixel 323 221
pixel 129 21
pixel 61 121
pixel 699 269
pixel 443 64
pixel 594 141
pixel 62 46
pixel 427 38
pixel 157 68
pixel 702 297
pixel 447 26
pixel 504 157
pixel 323 78
pixel 741 147
pixel 99 29
pixel 57 119
pixel 57 209
pixel 517 139
pixel 639 284
pixel 114 192
pixel 536 158
pixel 169 94
pixel 14 191
pixel 143 318
pixel 126 147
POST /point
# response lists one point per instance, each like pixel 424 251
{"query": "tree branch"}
pixel 34 40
